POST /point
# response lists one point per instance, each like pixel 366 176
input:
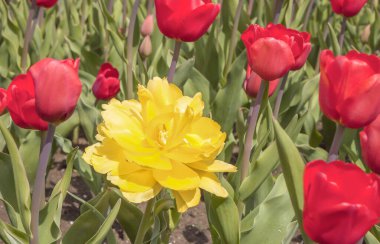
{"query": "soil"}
pixel 193 226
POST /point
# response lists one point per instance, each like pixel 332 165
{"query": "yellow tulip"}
pixel 160 141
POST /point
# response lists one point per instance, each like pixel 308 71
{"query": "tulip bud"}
pixel 146 47
pixel 46 3
pixel 107 83
pixel 57 88
pixel 366 33
pixel 252 83
pixel 341 202
pixel 3 100
pixel 147 26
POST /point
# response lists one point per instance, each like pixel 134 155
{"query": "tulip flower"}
pixel 275 50
pixel 57 88
pixel 370 144
pixel 185 20
pixel 147 26
pixel 347 8
pixel 46 3
pixel 107 83
pixel 341 202
pixel 160 141
pixel 146 47
pixel 22 103
pixel 3 100
pixel 349 88
pixel 252 83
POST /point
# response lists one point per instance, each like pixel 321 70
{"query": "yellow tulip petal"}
pixel 139 181
pixel 142 196
pixel 180 177
pixel 187 199
pixel 216 166
pixel 211 183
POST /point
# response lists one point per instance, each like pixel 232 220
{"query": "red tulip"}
pixel 370 144
pixel 46 3
pixel 348 8
pixel 107 83
pixel 341 202
pixel 57 88
pixel 349 88
pixel 22 103
pixel 185 20
pixel 274 50
pixel 252 83
pixel 3 100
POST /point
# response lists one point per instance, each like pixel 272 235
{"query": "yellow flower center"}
pixel 163 136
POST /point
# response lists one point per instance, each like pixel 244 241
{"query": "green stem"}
pixel 308 14
pixel 337 141
pixel 29 31
pixel 280 94
pixel 277 13
pixel 234 35
pixel 341 35
pixel 145 222
pixel 250 7
pixel 131 28
pixel 173 65
pixel 39 183
pixel 252 122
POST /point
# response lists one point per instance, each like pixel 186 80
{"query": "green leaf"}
pixel 129 215
pixel 102 233
pixel 273 217
pixel 11 235
pixel 224 216
pixel 20 179
pixel 334 39
pixel 50 215
pixel 293 168
pixel 227 101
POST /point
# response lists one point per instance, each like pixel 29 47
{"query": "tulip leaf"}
pixel 129 215
pixel 371 239
pixel 276 206
pixel 50 215
pixel 224 216
pixel 20 179
pixel 334 38
pixel 12 235
pixel 293 167
pixel 102 233
pixel 227 101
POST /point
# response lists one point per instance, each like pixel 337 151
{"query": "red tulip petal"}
pixel 196 23
pixel 362 108
pixel 271 58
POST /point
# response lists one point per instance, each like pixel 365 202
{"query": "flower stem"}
pixel 145 222
pixel 173 65
pixel 29 31
pixel 341 34
pixel 250 7
pixel 234 35
pixel 252 121
pixel 278 6
pixel 279 96
pixel 110 6
pixel 124 16
pixel 338 137
pixel 308 14
pixel 39 183
pixel 131 28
